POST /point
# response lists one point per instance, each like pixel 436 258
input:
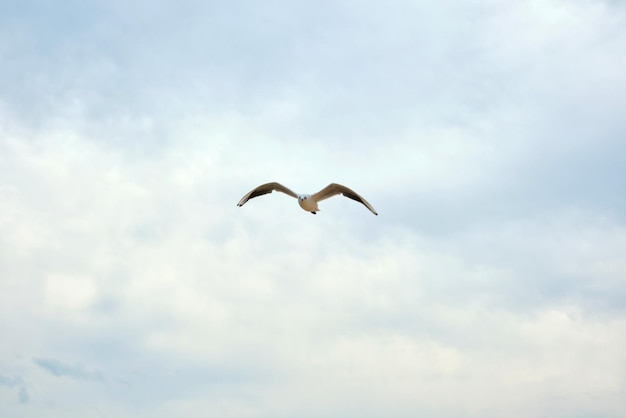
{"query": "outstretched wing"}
pixel 265 189
pixel 335 189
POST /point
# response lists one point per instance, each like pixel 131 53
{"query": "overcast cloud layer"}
pixel 489 135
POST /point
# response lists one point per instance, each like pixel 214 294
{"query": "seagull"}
pixel 307 202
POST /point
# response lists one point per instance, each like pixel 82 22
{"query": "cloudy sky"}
pixel 488 134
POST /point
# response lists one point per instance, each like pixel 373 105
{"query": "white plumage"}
pixel 307 202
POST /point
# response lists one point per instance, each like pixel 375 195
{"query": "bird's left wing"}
pixel 265 189
pixel 335 189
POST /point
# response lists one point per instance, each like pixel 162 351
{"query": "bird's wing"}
pixel 335 189
pixel 265 189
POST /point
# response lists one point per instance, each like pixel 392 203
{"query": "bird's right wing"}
pixel 334 189
pixel 265 189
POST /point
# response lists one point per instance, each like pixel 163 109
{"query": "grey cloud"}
pixel 23 395
pixel 9 381
pixel 13 382
pixel 62 369
pixel 352 71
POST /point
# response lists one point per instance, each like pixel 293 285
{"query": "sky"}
pixel 488 134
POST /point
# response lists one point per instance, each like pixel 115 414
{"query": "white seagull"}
pixel 307 202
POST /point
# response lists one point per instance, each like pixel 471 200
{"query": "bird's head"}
pixel 302 197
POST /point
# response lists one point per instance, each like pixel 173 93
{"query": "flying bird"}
pixel 307 202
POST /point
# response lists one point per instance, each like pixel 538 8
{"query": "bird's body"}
pixel 308 202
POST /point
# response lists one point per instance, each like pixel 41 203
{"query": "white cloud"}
pixel 487 135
